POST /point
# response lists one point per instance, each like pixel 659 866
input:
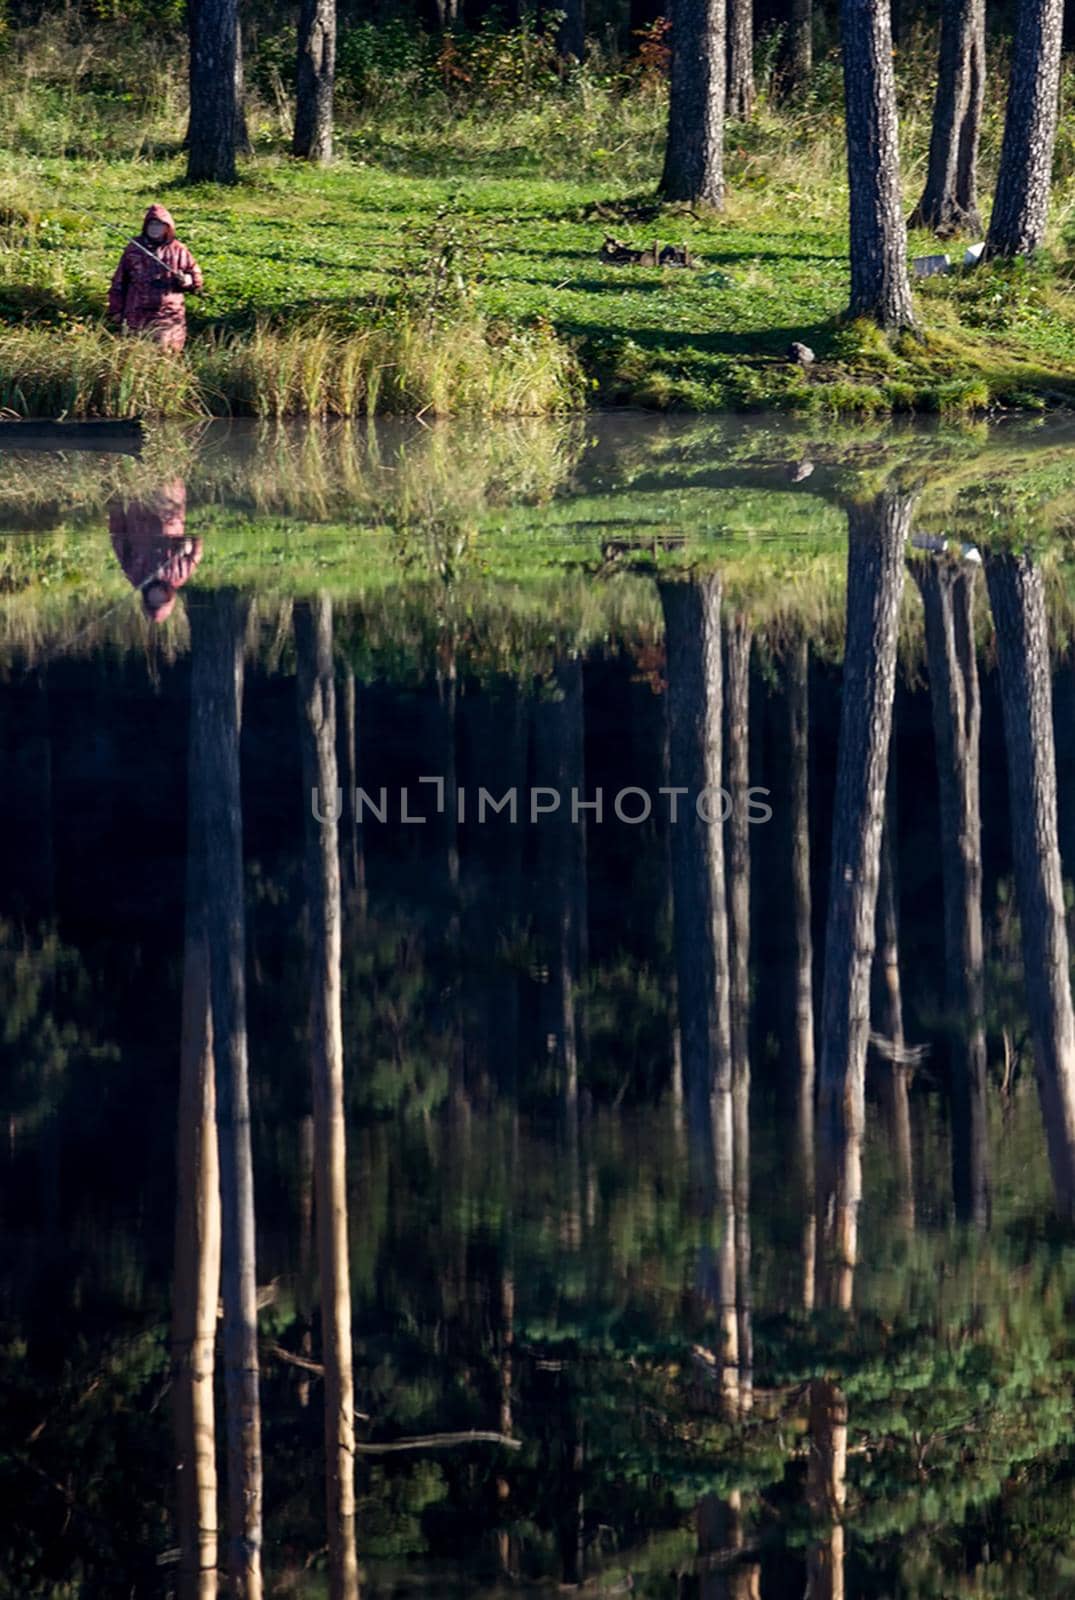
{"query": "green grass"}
pixel 448 262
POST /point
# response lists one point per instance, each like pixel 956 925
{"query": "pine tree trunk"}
pixel 694 152
pixel 1021 203
pixel 826 1488
pixel 213 131
pixel 896 1075
pixel 740 103
pixel 315 79
pixel 800 49
pixel 197 1231
pixel 571 34
pixel 798 694
pixel 948 604
pixel 880 286
pixel 317 731
pixel 218 623
pixel 695 693
pixel 737 832
pixel 949 200
pixel 876 535
pixel 352 853
pixel 1017 597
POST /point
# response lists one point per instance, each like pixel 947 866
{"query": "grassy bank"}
pixel 449 262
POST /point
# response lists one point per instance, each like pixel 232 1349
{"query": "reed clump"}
pixel 401 367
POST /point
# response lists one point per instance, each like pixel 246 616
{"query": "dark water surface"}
pixel 613 1196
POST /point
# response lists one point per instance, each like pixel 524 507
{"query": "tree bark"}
pixel 896 1073
pixel 798 681
pixel 217 632
pixel 826 1488
pixel 949 202
pixel 695 692
pixel 694 151
pixel 197 1232
pixel 1017 597
pixel 1021 202
pixel 213 130
pixel 800 48
pixel 571 34
pixel 741 93
pixel 317 730
pixel 353 852
pixel 880 286
pixel 876 535
pixel 737 699
pixel 315 80
pixel 948 603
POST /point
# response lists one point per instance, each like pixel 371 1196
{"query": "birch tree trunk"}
pixel 880 286
pixel 1021 202
pixel 694 152
pixel 317 731
pixel 949 202
pixel 1017 597
pixel 197 1231
pixel 218 623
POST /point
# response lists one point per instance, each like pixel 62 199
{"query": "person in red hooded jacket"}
pixel 150 538
pixel 147 290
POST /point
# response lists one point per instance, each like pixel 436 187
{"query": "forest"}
pixel 446 210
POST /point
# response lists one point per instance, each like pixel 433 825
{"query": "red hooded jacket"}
pixel 144 295
pixel 150 538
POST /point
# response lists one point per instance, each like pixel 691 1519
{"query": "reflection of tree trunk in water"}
pixel 353 852
pixel 948 603
pixel 826 1488
pixel 798 692
pixel 668 916
pixel 1017 596
pixel 197 1231
pixel 895 1073
pixel 737 700
pixel 561 863
pixel 317 731
pixel 695 693
pixel 719 1525
pixel 876 536
pixel 304 1298
pixel 218 623
pixel 506 1421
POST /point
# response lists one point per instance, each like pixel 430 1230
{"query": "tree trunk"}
pixel 217 631
pixel 213 131
pixel 798 681
pixel 880 286
pixel 948 604
pixel 800 48
pixel 876 535
pixel 737 699
pixel 1017 596
pixel 315 80
pixel 826 1488
pixel 571 34
pixel 694 151
pixel 740 102
pixel 896 1074
pixel 695 691
pixel 949 202
pixel 317 730
pixel 1021 203
pixel 197 1232
pixel 353 852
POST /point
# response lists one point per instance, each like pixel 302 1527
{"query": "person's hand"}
pixel 182 280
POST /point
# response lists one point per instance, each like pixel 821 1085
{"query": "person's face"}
pixel 156 231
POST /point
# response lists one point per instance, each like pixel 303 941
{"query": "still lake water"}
pixel 710 1367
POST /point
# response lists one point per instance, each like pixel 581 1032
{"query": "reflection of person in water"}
pixel 150 538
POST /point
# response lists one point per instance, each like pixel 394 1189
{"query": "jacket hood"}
pixel 160 214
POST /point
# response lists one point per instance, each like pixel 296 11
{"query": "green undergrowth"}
pixel 449 262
